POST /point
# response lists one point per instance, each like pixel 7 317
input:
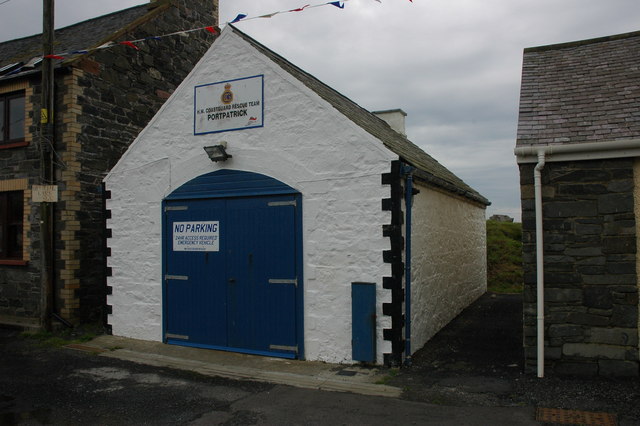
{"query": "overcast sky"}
pixel 453 66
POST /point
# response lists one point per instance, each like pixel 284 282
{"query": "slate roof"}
pixel 91 33
pixel 428 169
pixel 585 91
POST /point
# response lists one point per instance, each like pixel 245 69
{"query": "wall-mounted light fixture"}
pixel 218 152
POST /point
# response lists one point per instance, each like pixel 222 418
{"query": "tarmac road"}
pixel 47 385
pixel 468 374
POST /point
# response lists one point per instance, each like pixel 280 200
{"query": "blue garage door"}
pixel 232 269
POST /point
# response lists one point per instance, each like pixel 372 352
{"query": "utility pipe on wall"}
pixel 408 193
pixel 537 182
pixel 542 154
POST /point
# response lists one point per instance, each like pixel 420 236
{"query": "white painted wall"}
pixel 449 265
pixel 306 144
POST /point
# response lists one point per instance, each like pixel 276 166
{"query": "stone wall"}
pixel 120 90
pixel 103 100
pixel 591 287
pixel 20 289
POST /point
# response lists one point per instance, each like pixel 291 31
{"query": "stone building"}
pixel 577 148
pixel 271 215
pixel 103 98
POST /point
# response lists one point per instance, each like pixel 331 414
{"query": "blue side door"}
pixel 241 294
pixel 195 279
pixel 262 270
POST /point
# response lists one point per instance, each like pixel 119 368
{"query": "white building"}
pixel 297 242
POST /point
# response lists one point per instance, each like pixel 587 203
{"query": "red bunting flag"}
pixel 300 9
pixel 130 44
pixel 210 29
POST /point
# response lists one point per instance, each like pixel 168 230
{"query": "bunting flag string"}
pixel 241 17
pixel 246 17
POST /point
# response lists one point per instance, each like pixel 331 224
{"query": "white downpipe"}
pixel 537 180
pixel 623 148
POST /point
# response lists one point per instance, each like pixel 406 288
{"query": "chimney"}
pixel 394 118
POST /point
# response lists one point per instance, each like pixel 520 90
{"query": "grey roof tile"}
pixel 83 35
pixel 585 91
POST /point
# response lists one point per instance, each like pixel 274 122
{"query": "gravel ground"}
pixel 477 361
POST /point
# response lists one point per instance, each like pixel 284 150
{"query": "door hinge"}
pixel 278 281
pixel 284 348
pixel 176 277
pixel 282 203
pixel 176 336
pixel 175 208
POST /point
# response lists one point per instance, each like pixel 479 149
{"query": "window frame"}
pixel 6 141
pixel 14 255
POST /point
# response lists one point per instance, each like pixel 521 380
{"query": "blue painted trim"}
pixel 229 183
pixel 300 270
pixel 288 355
pixel 164 241
pixel 227 81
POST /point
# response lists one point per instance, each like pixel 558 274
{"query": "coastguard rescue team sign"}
pixel 229 105
pixel 196 236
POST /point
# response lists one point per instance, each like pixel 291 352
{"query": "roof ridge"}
pixel 95 18
pixel 577 43
pixel 432 171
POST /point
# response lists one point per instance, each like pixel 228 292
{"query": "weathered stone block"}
pixel 592 350
pixel 584 251
pixel 598 297
pixel 588 229
pixel 592 261
pixel 623 298
pixel 562 278
pixel 587 319
pixel 570 208
pixel 615 203
pixel 591 270
pixel 553 353
pixel 613 336
pixel 581 189
pixel 576 368
pixel 623 279
pixel 562 295
pixel 624 316
pixel 611 368
pixel 621 268
pixel 620 228
pixel 564 330
pixel 622 244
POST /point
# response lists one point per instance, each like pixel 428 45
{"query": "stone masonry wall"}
pixel 591 287
pixel 119 91
pixel 19 168
pixel 102 102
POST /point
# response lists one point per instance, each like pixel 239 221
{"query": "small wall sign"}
pixel 44 193
pixel 229 105
pixel 196 236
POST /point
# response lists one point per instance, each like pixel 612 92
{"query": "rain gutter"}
pixel 542 154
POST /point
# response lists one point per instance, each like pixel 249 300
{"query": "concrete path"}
pixel 302 374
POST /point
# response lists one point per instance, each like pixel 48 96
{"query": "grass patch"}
pixel 64 337
pixel 504 257
pixel 387 378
